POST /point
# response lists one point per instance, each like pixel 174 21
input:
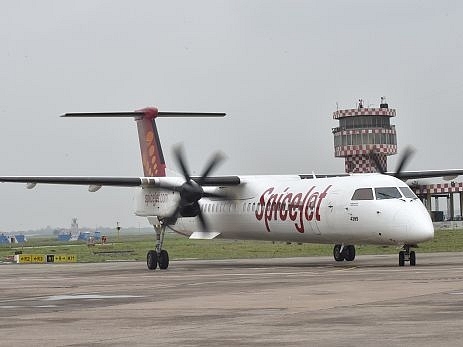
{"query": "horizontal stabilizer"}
pixel 204 235
pixel 141 114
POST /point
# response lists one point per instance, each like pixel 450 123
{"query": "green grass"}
pixel 135 248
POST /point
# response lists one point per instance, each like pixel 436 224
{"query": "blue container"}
pixel 64 237
pixel 20 238
pixel 83 236
pixel 97 235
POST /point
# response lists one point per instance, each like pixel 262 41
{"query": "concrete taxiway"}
pixel 264 302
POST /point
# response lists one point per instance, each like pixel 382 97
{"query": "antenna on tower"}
pixel 383 103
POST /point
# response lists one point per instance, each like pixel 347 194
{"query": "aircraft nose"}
pixel 420 224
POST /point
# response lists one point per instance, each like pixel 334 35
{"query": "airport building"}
pixel 361 132
pixel 364 132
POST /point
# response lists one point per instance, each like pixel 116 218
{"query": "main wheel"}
pixel 338 255
pixel 401 258
pixel 349 252
pixel 163 260
pixel 152 260
pixel 412 258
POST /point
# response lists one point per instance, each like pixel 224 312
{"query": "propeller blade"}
pixel 374 156
pixel 181 162
pixel 407 154
pixel 215 160
pixel 172 219
pixel 203 222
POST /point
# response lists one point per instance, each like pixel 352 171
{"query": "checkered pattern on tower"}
pixel 346 151
pixel 388 112
pixel 363 164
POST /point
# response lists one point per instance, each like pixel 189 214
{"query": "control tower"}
pixel 363 131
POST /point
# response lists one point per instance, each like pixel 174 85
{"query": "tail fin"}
pixel 150 145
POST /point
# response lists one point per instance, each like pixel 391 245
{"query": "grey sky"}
pixel 277 68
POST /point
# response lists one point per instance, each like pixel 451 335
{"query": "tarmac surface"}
pixel 265 302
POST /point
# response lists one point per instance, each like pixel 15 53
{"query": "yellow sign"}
pixel 65 258
pixel 37 258
pixel 50 258
pixel 31 258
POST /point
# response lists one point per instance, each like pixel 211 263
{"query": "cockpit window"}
pixel 408 193
pixel 363 194
pixel 387 193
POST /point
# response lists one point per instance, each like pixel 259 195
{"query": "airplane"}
pixel 344 210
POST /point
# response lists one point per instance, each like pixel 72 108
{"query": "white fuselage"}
pixel 313 210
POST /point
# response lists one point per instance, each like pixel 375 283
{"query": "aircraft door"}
pixel 360 203
pixel 332 209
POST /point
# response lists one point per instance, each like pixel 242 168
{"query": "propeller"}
pixel 191 191
pixel 404 158
pixel 375 158
pixel 406 155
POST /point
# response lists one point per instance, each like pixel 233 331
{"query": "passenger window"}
pixel 408 193
pixel 363 194
pixel 387 193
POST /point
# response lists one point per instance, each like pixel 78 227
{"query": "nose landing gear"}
pixel 407 255
pixel 341 252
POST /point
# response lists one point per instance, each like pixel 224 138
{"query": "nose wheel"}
pixel 407 255
pixel 341 252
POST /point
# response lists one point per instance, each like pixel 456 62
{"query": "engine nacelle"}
pixel 155 202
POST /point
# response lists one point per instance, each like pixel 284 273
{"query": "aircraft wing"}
pixel 444 174
pixel 96 182
pixel 404 175
pixel 79 180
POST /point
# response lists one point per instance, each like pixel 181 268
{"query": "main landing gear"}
pixel 341 252
pixel 158 256
pixel 407 255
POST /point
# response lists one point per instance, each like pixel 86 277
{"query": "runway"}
pixel 264 302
